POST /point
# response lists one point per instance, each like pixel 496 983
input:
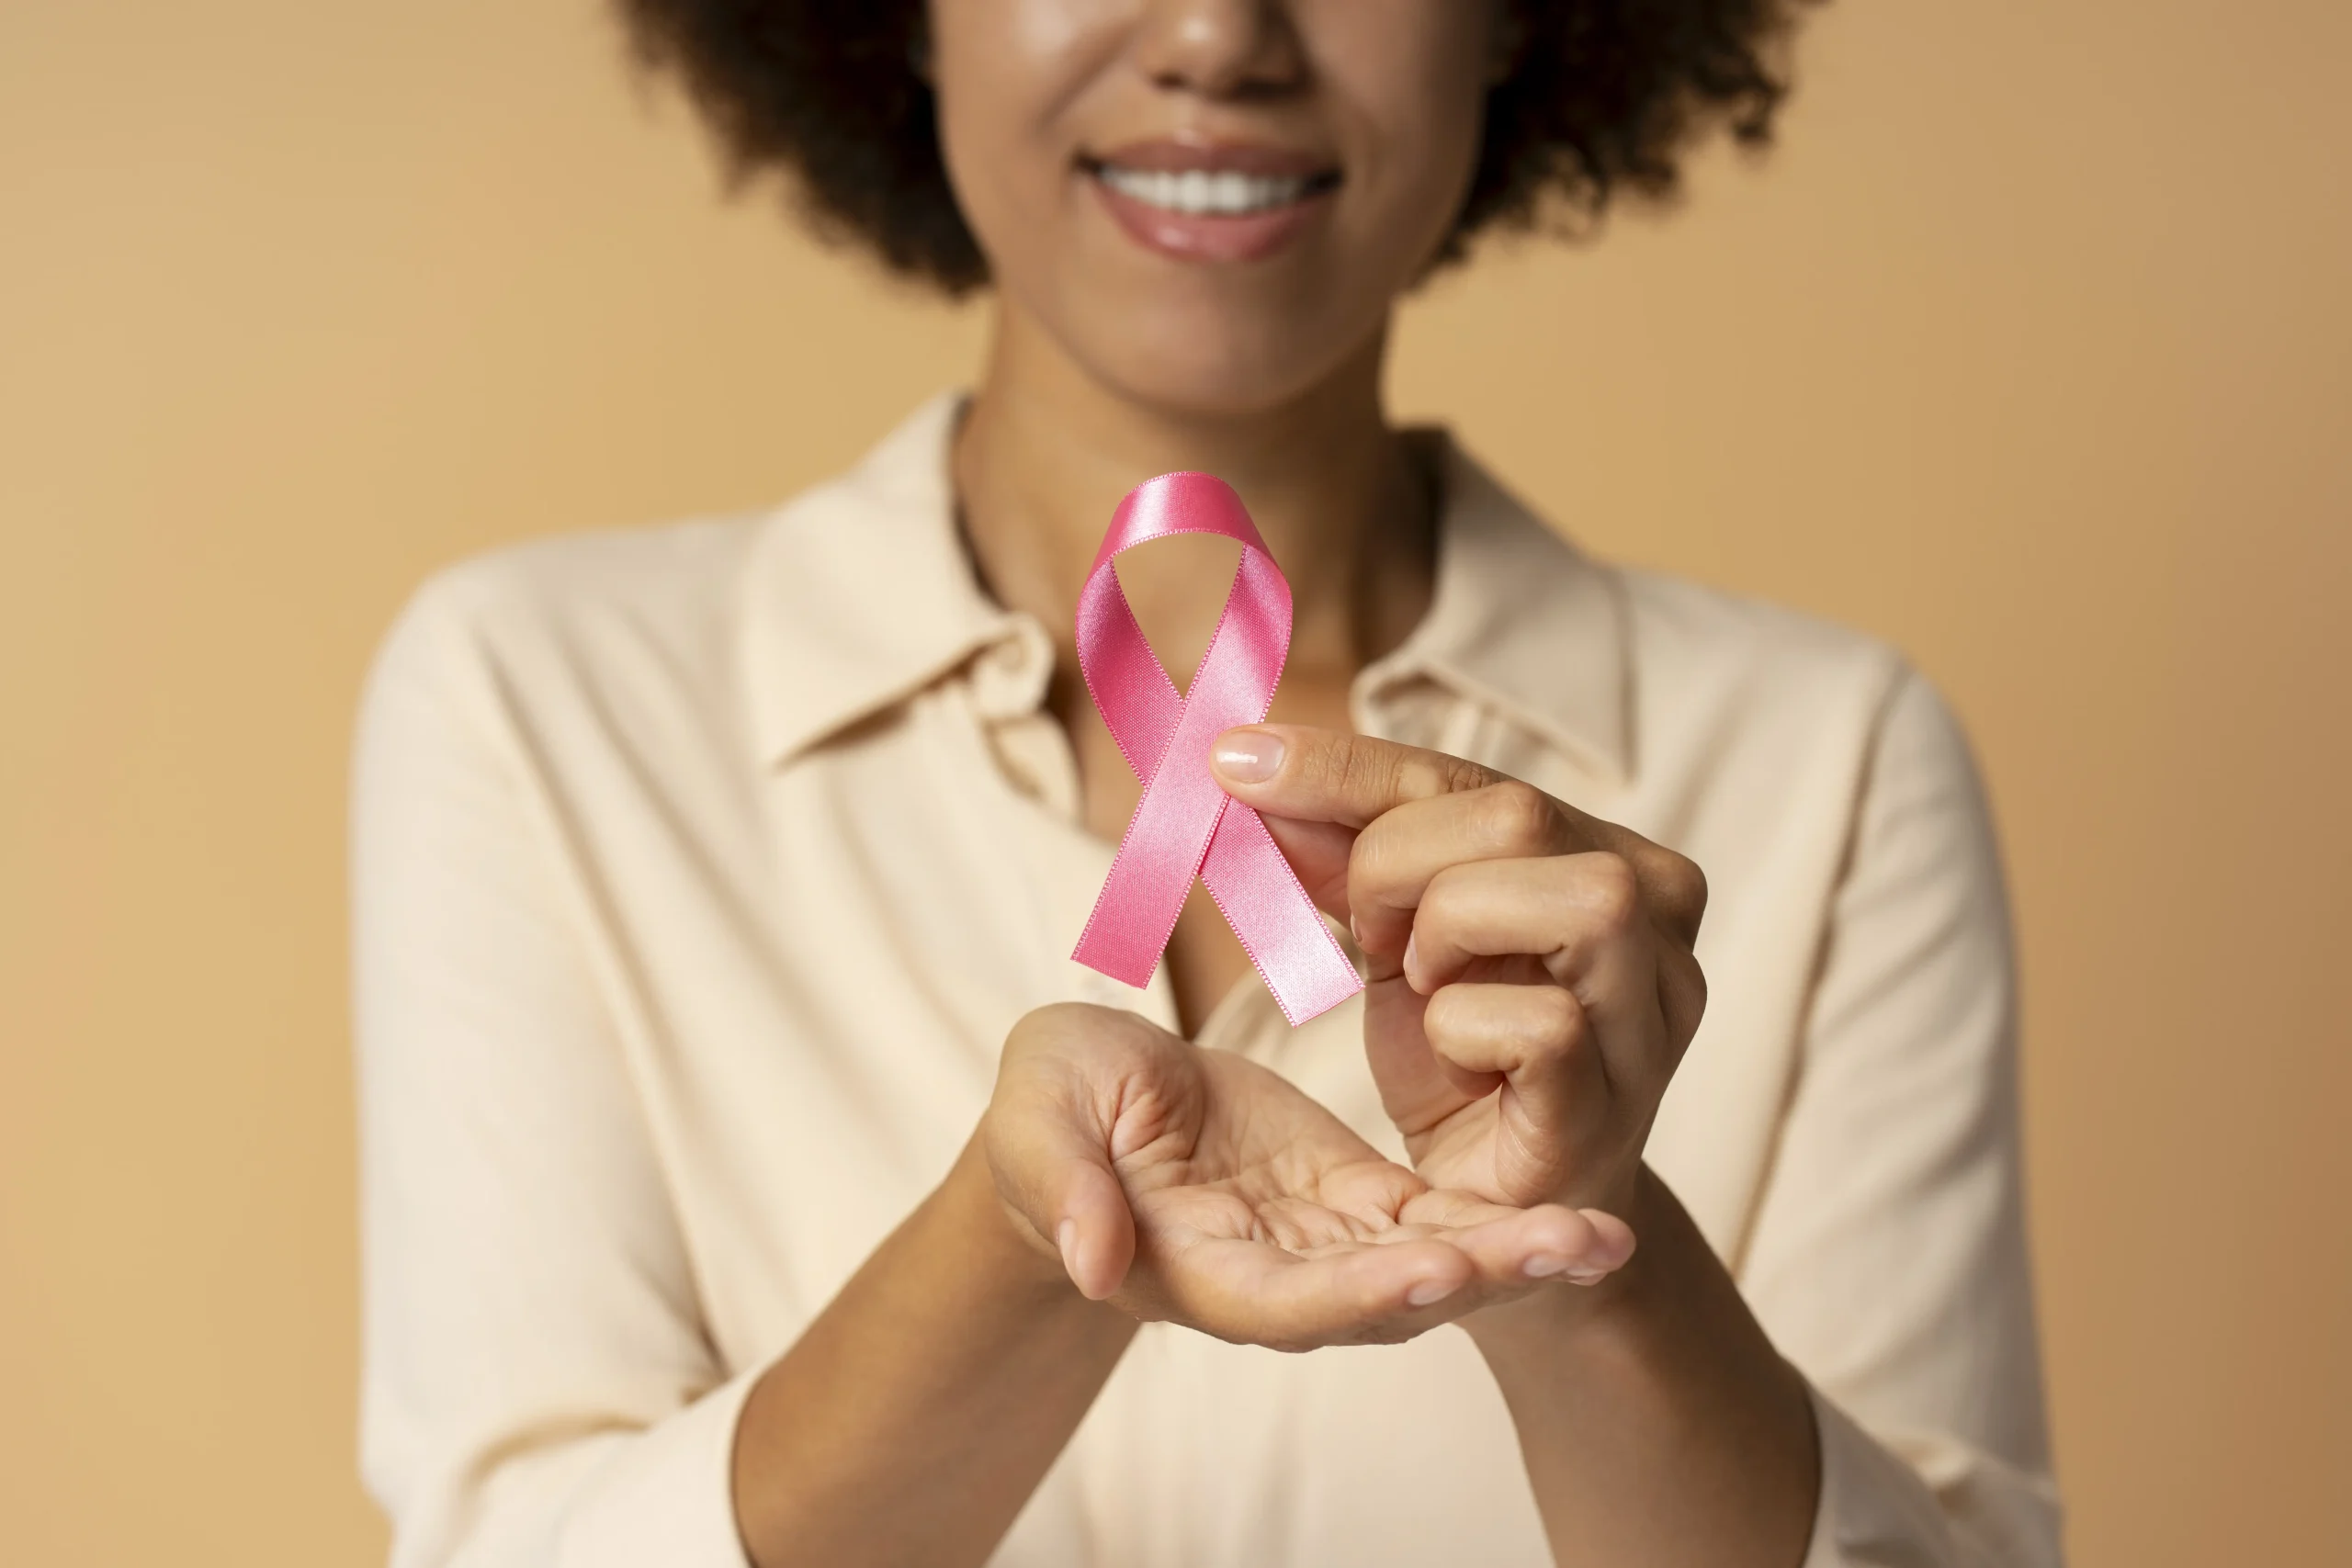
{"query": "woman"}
pixel 751 1177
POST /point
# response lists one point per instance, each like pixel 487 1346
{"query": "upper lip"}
pixel 1181 156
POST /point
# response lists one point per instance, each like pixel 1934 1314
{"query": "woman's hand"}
pixel 1532 986
pixel 1197 1186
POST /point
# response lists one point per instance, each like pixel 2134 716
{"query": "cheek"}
pixel 1411 75
pixel 1003 71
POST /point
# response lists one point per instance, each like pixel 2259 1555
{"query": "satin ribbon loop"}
pixel 1186 825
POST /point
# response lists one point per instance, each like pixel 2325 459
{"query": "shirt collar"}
pixel 862 594
pixel 1523 622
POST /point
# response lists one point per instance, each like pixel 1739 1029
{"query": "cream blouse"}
pixel 700 870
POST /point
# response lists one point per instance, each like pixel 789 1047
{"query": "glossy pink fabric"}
pixel 1185 825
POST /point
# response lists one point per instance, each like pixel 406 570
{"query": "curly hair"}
pixel 1604 95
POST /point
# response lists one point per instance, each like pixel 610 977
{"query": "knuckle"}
pixel 1450 1017
pixel 1451 895
pixel 1427 775
pixel 1683 999
pixel 1458 776
pixel 1517 818
pixel 1372 859
pixel 1610 890
pixel 1368 774
pixel 1680 886
pixel 1321 761
pixel 1557 1023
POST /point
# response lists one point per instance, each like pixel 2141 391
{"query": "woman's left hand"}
pixel 1531 985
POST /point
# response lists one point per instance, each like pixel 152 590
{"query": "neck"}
pixel 1047 450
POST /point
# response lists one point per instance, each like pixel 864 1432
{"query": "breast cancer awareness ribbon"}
pixel 1185 825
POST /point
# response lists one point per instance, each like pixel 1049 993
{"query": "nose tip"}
pixel 1220 48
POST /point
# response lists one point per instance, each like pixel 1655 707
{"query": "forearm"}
pixel 1657 1424
pixel 915 1416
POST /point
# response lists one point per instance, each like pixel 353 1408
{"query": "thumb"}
pixel 1094 1229
pixel 1053 1166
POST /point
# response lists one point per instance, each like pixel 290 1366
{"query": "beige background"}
pixel 2030 349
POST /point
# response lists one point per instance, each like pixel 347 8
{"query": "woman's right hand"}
pixel 1198 1188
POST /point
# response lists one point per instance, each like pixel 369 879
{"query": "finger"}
pixel 1519 1248
pixel 1682 994
pixel 1366 1195
pixel 1580 916
pixel 1537 1041
pixel 1094 1231
pixel 1393 861
pixel 1418 1087
pixel 1055 1170
pixel 1536 1036
pixel 1307 775
pixel 1253 1292
pixel 1318 852
pixel 1051 1130
pixel 1328 775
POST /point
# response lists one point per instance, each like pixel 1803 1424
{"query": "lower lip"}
pixel 1211 237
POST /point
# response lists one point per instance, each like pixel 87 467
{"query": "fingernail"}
pixel 1428 1291
pixel 1407 962
pixel 1066 1240
pixel 1543 1266
pixel 1247 756
pixel 1587 1276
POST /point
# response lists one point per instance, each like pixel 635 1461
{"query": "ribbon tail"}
pixel 1283 931
pixel 1135 914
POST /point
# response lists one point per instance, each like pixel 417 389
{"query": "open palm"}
pixel 1198 1187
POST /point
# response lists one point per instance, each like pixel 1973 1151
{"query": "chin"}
pixel 1224 366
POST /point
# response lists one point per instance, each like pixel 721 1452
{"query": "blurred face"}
pixel 1210 205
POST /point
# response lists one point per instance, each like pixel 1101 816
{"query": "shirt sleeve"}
pixel 537 1388
pixel 1888 1258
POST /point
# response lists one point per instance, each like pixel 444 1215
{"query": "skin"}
pixel 1531 985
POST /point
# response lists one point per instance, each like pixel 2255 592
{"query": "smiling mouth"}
pixel 1212 192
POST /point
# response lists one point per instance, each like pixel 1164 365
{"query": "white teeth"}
pixel 1198 191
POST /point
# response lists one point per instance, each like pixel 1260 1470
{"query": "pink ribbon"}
pixel 1186 825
